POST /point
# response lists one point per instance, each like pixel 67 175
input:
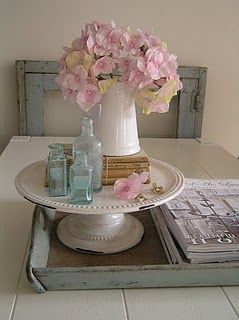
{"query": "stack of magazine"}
pixel 201 225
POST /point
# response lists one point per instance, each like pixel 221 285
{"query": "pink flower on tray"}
pixel 129 188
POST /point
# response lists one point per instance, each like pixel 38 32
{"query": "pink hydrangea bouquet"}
pixel 106 53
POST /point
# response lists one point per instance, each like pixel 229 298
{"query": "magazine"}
pixel 204 220
pixel 173 253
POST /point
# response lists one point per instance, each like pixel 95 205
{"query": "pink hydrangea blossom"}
pixel 138 80
pixel 133 42
pixel 150 39
pixel 88 97
pixel 157 63
pixel 103 65
pixel 111 42
pixel 62 64
pixel 102 34
pixel 125 65
pixel 169 67
pixel 156 106
pixel 74 80
pixel 158 101
pixel 99 51
pixel 103 39
pixel 150 64
pixel 149 102
pixel 91 43
pixel 129 188
pixel 69 94
pixel 105 52
pixel 79 44
pixel 168 90
pixel 108 37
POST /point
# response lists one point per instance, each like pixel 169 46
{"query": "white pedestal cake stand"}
pixel 102 227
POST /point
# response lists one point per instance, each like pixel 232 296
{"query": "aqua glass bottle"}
pixel 57 176
pixel 81 179
pixel 93 147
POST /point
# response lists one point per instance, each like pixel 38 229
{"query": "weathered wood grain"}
pixel 190 101
pixel 21 99
pixel 199 103
pixel 34 104
pixel 49 83
pixel 41 66
pixel 143 266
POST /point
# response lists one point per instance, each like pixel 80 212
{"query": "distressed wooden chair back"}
pixel 35 78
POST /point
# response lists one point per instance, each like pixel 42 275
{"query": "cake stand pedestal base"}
pixel 101 233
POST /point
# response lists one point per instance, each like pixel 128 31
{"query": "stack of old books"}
pixel 121 167
pixel 116 167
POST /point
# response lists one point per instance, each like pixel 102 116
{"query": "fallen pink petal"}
pixel 129 188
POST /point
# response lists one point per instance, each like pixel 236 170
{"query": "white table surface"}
pixel 19 301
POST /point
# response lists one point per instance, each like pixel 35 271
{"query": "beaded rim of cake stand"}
pixel 131 206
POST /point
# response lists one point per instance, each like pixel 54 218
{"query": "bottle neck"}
pixel 87 131
pixel 56 151
pixel 87 127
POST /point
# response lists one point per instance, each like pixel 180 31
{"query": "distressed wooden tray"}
pixel 52 266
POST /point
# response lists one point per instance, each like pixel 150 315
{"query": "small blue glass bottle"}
pixel 57 175
pixel 81 179
pixel 92 145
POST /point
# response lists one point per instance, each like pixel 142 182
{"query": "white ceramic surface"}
pixel 102 234
pixel 115 122
pixel 30 184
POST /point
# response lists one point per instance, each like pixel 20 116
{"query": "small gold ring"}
pixel 140 197
pixel 157 189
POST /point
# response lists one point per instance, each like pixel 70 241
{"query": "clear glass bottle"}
pixel 93 147
pixel 81 179
pixel 57 176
